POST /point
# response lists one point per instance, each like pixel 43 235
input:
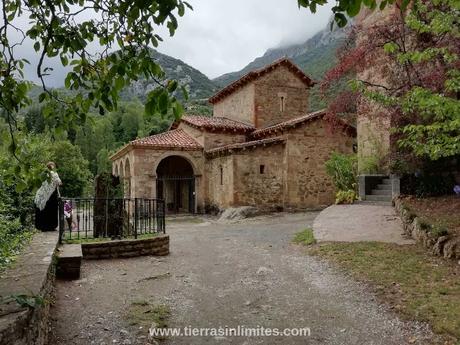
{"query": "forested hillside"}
pixel 197 84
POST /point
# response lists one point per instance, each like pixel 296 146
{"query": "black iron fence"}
pixel 110 218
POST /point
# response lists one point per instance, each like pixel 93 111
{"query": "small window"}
pixel 282 103
pixel 262 169
pixel 221 175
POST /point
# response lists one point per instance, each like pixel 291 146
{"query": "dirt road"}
pixel 224 275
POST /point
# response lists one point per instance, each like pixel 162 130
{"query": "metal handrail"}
pixel 113 218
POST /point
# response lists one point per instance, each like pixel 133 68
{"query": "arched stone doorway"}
pixel 176 184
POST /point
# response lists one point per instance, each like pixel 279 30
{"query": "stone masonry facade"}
pixel 260 148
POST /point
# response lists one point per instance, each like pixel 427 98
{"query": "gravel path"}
pixel 246 274
pixel 359 222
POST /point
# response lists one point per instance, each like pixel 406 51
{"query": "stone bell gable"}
pixel 273 94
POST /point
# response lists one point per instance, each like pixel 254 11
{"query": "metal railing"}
pixel 87 218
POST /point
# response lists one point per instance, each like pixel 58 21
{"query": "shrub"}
pixel 72 168
pixel 369 165
pixel 345 197
pixel 439 230
pixel 343 170
pixel 12 237
pixel 427 185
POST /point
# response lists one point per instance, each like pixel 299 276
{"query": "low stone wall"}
pixel 33 274
pixel 158 246
pixel 447 246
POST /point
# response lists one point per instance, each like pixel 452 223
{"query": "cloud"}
pixel 221 36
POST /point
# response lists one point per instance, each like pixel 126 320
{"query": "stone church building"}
pixel 259 148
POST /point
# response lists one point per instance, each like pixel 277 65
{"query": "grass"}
pixel 439 213
pixel 89 239
pixel 304 237
pixel 417 285
pixel 143 313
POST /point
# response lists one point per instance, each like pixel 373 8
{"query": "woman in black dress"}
pixel 46 201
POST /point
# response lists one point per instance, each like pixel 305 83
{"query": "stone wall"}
pixel 195 133
pixel 290 175
pixel 259 177
pixel 373 120
pixel 308 148
pixel 220 191
pixel 259 102
pixel 145 162
pixel 373 141
pixel 126 248
pixel 269 89
pixel 237 106
pixel 447 246
pixel 33 274
pixel 211 140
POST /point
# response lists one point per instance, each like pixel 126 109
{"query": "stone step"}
pixel 68 264
pixel 381 192
pixel 386 181
pixel 383 187
pixel 378 197
pixel 369 202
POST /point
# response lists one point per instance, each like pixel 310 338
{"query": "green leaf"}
pixel 178 110
pixel 43 96
pixel 340 19
pixel 163 103
pixel 64 60
pixel 354 7
pixel 20 186
pixel 119 83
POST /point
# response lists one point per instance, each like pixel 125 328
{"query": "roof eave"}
pixel 121 152
pixel 229 149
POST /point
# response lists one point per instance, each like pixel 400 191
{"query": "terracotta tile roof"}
pixel 292 123
pixel 176 138
pixel 247 78
pixel 287 124
pixel 214 123
pixel 173 139
pixel 241 146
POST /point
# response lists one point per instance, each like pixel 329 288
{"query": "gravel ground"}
pixel 247 273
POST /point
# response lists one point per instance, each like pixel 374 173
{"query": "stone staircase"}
pixel 382 191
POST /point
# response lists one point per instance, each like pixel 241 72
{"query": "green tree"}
pixel 95 135
pixel 424 91
pixel 66 29
pixel 127 121
pixel 104 164
pixel 350 8
pixel 417 52
pixel 72 167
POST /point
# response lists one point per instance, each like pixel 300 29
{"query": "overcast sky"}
pixel 221 36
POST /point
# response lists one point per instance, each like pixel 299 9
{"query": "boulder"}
pixel 237 213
